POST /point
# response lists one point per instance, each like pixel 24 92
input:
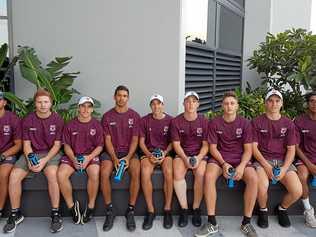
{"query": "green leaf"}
pixel 3 53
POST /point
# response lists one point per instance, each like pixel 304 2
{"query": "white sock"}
pixel 281 208
pixel 264 209
pixel 306 204
pixel 180 187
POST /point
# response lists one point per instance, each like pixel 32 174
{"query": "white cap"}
pixel 85 99
pixel 273 92
pixel 156 97
pixel 192 93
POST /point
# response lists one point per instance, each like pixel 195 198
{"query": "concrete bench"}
pixel 35 199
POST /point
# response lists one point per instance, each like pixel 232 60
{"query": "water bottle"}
pixel 276 172
pixel 192 161
pixel 313 181
pixel 33 159
pixel 157 153
pixel 231 175
pixel 120 171
pixel 80 159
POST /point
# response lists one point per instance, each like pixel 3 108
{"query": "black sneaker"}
pixel 148 220
pixel 109 219
pixel 183 218
pixel 14 219
pixel 283 217
pixel 130 220
pixel 57 222
pixel 87 215
pixel 167 220
pixel 196 217
pixel 75 213
pixel 263 221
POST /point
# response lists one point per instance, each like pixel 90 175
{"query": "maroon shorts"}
pixel 67 161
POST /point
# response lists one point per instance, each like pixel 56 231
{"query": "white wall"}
pixel 286 14
pixel 256 26
pixel 137 43
pixel 270 16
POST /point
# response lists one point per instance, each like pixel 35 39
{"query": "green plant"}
pixel 288 62
pixel 53 79
pixel 6 67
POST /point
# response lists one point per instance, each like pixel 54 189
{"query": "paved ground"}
pixel 229 226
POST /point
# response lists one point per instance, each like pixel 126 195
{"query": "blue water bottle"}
pixel 80 159
pixel 276 172
pixel 120 171
pixel 157 153
pixel 231 175
pixel 33 159
pixel 192 161
pixel 313 181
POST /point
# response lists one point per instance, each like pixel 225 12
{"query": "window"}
pixel 4 35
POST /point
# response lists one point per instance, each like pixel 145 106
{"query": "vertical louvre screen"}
pixel 210 73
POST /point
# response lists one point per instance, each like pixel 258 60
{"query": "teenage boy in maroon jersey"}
pixel 155 134
pixel 189 139
pixel 42 134
pixel 120 125
pixel 230 139
pixel 306 152
pixel 274 145
pixel 82 137
pixel 10 145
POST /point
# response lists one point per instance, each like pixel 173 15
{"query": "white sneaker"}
pixel 206 230
pixel 310 219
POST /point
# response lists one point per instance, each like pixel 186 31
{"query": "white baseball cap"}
pixel 85 99
pixel 192 93
pixel 273 92
pixel 156 97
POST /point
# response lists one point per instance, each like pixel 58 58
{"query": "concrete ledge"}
pixel 35 199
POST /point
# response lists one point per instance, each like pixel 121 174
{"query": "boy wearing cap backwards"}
pixel 155 134
pixel 82 136
pixel 10 145
pixel 230 139
pixel 274 145
pixel 189 139
pixel 42 133
pixel 306 152
pixel 120 125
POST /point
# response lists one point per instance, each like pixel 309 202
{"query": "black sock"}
pixel 15 210
pixel 246 220
pixel 130 207
pixel 211 219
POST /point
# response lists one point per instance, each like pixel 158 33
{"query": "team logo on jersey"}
pixel 181 131
pixel 112 123
pixel 6 128
pixel 263 130
pixel 199 132
pixel 305 130
pixel 165 130
pixel 32 129
pixel 219 131
pixel 93 131
pixel 238 132
pixel 283 131
pixel 130 122
pixel 52 128
pixel 74 133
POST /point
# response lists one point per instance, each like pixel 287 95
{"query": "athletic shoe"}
pixel 75 213
pixel 148 220
pixel 263 220
pixel 196 217
pixel 130 220
pixel 109 219
pixel 167 220
pixel 248 230
pixel 310 219
pixel 283 217
pixel 87 215
pixel 207 230
pixel 57 222
pixel 14 219
pixel 183 218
